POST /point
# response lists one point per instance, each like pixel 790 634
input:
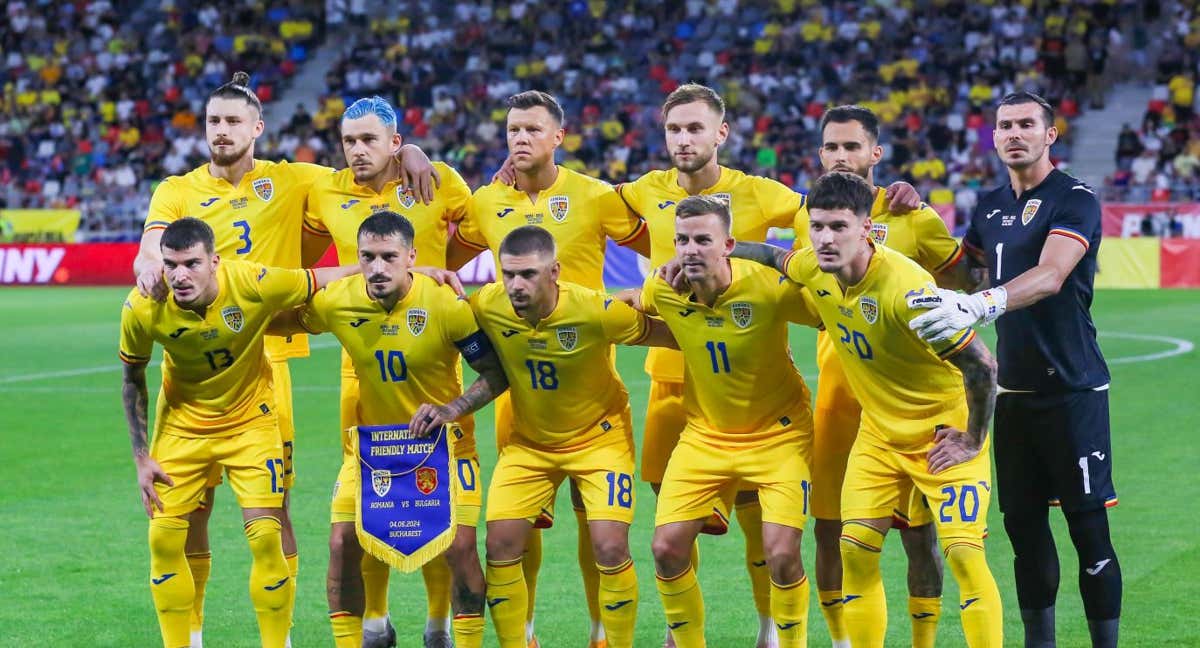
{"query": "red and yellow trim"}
pixel 1072 234
pixel 155 225
pixel 961 343
pixel 471 244
pixel 954 258
pixel 130 359
pixel 314 230
pixel 637 233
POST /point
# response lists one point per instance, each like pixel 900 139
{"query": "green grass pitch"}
pixel 73 556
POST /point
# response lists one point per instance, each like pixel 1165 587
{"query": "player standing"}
pixel 748 421
pixel 337 205
pixel 1038 238
pixel 925 409
pixel 571 420
pixel 580 212
pixel 216 410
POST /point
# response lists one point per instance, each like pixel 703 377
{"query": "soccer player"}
pixel 571 420
pixel 216 410
pixel 1038 238
pixel 337 205
pixel 695 128
pixel 580 212
pixel 388 310
pixel 749 423
pixel 850 143
pixel 925 409
pixel 256 209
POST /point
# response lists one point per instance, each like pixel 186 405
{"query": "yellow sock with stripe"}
pixel 587 566
pixel 831 609
pixel 293 563
pixel 201 566
pixel 507 600
pixel 271 586
pixel 347 629
pixel 925 613
pixel 437 591
pixel 468 630
pixel 618 603
pixel 531 564
pixel 683 605
pixel 789 608
pixel 171 580
pixel 749 517
pixel 375 574
pixel 982 620
pixel 864 605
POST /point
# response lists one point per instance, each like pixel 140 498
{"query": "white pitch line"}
pixel 1181 347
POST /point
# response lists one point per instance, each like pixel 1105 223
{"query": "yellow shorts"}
pixel 665 420
pixel 253 459
pixel 527 477
pixel 877 479
pixel 281 379
pixel 467 503
pixel 700 473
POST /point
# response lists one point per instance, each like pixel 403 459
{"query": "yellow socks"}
pixel 293 563
pixel 530 565
pixel 507 599
pixel 201 566
pixel 271 586
pixel 468 630
pixel 982 621
pixel 587 566
pixel 170 579
pixel 437 589
pixel 925 613
pixel 789 608
pixel 865 608
pixel 375 587
pixel 749 517
pixel 831 609
pixel 347 629
pixel 683 605
pixel 618 603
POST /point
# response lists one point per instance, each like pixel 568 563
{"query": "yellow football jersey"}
pixel 739 380
pixel 337 206
pixel 259 220
pixel 920 235
pixel 578 210
pixel 560 373
pixel 756 203
pixel 215 375
pixel 902 382
pixel 404 357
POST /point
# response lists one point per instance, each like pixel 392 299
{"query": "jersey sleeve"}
pixel 971 241
pixel 796 304
pixel 631 195
pixel 936 249
pixel 463 331
pixel 166 206
pixel 1078 216
pixel 136 342
pixel 779 203
pixel 648 290
pixel 800 225
pixel 944 349
pixel 620 223
pixel 307 174
pixel 314 219
pixel 456 193
pixel 469 232
pixel 622 324
pixel 284 288
pixel 312 314
pixel 799 265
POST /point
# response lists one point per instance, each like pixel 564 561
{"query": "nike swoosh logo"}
pixel 677 625
pixel 612 607
pixel 1098 567
pixel 179 331
pixel 272 588
pixel 787 626
pixel 966 604
pixel 849 597
pixel 496 601
pixel 922 615
pixel 162 579
pixel 759 563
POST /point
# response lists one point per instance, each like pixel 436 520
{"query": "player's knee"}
pixel 502 546
pixel 167 537
pixel 671 554
pixel 924 560
pixel 1090 535
pixel 611 550
pixel 860 545
pixel 343 546
pixel 462 549
pixel 967 561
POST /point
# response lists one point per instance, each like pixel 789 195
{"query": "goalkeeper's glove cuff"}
pixel 992 303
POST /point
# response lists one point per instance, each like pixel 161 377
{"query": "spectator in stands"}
pixel 1129 146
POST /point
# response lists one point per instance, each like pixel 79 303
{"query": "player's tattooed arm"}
pixel 490 383
pixel 135 399
pixel 768 255
pixel 952 446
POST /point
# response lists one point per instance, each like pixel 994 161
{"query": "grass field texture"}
pixel 73 556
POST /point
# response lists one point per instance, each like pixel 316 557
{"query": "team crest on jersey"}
pixel 264 189
pixel 233 318
pixel 568 337
pixel 1030 211
pixel 426 479
pixel 417 317
pixel 405 197
pixel 869 308
pixel 558 207
pixel 879 232
pixel 381 482
pixel 742 313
